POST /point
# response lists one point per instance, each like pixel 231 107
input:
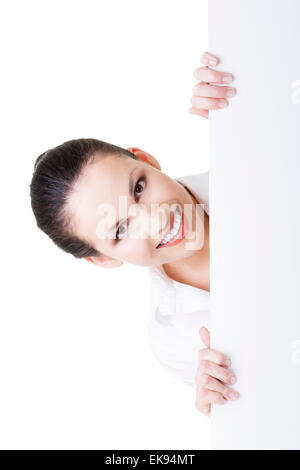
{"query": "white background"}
pixel 76 369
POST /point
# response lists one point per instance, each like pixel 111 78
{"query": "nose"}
pixel 151 222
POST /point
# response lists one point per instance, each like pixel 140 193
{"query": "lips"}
pixel 178 237
pixel 169 228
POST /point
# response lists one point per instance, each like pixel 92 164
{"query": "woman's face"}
pixel 125 207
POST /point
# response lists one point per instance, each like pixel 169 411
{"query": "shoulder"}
pixel 195 180
pixel 198 184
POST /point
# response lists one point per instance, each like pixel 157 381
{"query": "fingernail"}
pixel 228 362
pixel 222 104
pixel 227 78
pixel 232 380
pixel 233 395
pixel 230 92
pixel 212 62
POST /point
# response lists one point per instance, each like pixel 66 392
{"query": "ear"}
pixel 104 261
pixel 145 157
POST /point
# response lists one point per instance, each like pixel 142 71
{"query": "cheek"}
pixel 163 191
pixel 158 188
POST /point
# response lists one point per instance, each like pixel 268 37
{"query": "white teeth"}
pixel 176 227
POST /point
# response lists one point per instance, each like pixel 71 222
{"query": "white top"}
pixel 179 310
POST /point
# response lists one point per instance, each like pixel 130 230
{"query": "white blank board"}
pixel 255 221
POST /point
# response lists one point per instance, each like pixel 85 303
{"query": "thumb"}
pixel 205 336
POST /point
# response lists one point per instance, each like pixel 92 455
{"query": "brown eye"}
pixel 121 232
pixel 139 187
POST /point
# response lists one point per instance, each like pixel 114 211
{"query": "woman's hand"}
pixel 212 376
pixel 207 96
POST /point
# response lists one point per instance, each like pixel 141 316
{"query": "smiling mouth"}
pixel 173 233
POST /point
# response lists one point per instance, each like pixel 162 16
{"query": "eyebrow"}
pixel 130 191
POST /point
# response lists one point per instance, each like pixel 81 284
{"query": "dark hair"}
pixel 55 173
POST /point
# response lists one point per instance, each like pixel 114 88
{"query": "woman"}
pixel 111 205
